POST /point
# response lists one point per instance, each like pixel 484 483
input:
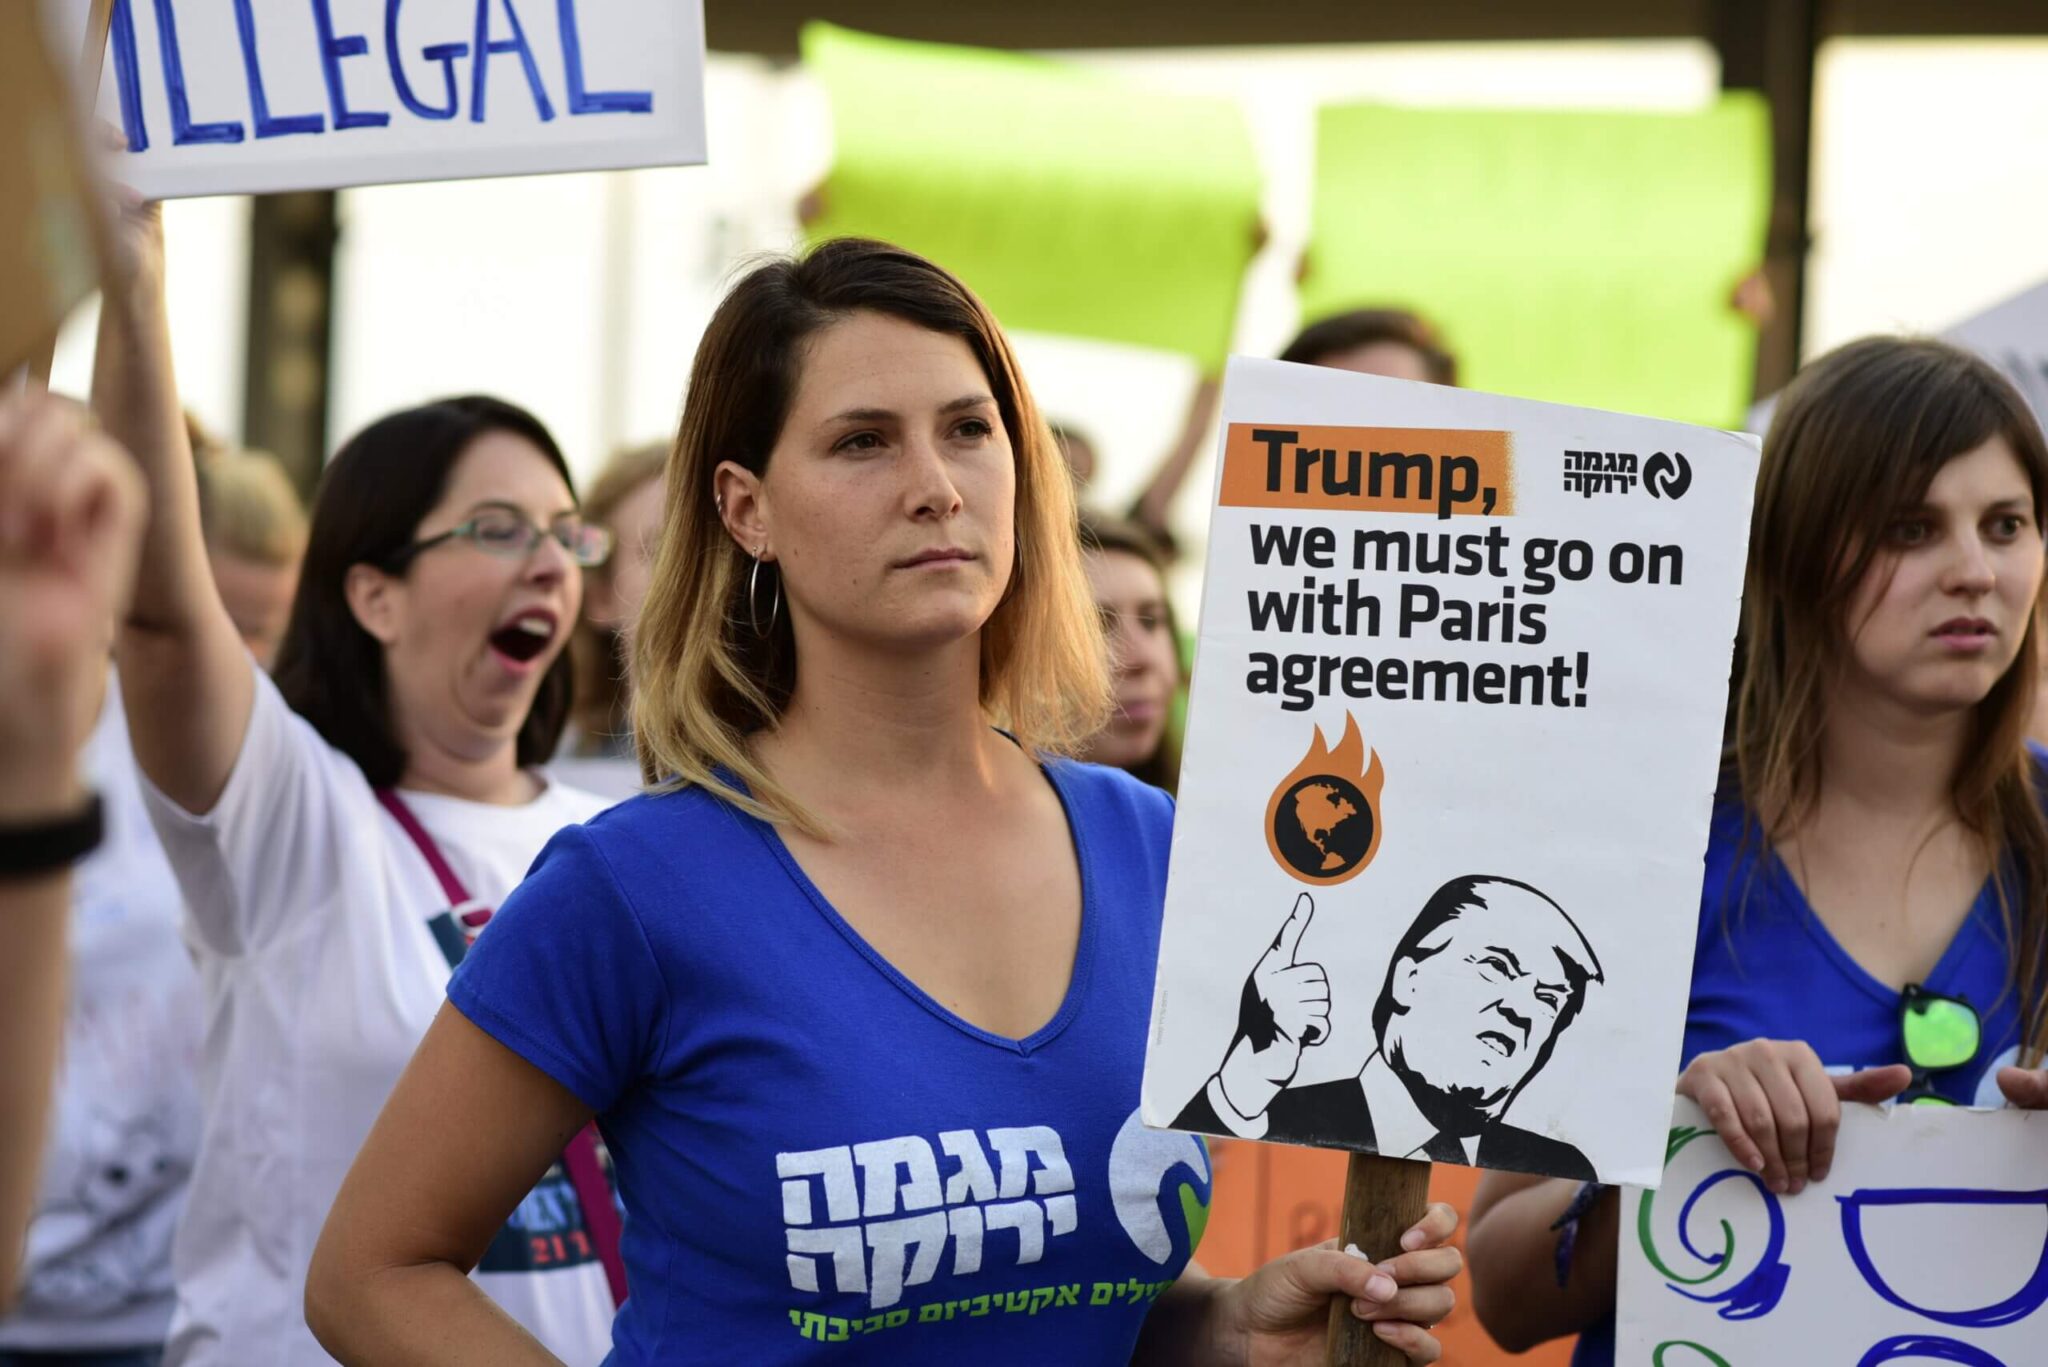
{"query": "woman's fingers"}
pixel 1418 1343
pixel 38 450
pixel 1823 1114
pixel 1437 1224
pixel 1423 1305
pixel 1429 1267
pixel 1754 1107
pixel 1710 1091
pixel 2024 1088
pixel 1790 1120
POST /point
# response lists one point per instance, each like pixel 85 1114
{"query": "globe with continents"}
pixel 1322 826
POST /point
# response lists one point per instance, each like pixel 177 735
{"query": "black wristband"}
pixel 41 847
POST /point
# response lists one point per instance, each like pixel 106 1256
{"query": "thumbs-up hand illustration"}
pixel 1285 1008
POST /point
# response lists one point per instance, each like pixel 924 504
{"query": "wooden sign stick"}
pixel 91 61
pixel 1383 1198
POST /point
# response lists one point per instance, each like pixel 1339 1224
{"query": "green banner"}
pixel 1069 201
pixel 1578 257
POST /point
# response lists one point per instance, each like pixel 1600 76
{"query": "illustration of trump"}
pixel 1487 977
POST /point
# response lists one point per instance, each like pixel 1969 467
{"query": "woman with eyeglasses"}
pixel 342 833
pixel 1875 910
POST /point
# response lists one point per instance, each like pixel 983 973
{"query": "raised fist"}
pixel 70 523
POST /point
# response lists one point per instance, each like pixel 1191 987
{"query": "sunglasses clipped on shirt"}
pixel 502 530
pixel 1940 1034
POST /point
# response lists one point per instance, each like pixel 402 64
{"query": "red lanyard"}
pixel 579 1160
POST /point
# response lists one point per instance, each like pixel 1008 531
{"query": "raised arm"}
pixel 390 1282
pixel 69 522
pixel 1156 502
pixel 186 680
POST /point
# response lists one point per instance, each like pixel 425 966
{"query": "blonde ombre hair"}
pixel 704 679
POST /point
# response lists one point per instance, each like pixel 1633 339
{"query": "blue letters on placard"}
pixel 444 53
pixel 183 130
pixel 259 99
pixel 582 101
pixel 484 47
pixel 127 79
pixel 332 50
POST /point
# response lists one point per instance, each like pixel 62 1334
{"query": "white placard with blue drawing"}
pixel 258 96
pixel 1927 1243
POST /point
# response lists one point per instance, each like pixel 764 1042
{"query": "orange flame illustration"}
pixel 1323 820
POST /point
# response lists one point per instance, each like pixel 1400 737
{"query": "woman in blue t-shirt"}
pixel 1880 848
pixel 859 998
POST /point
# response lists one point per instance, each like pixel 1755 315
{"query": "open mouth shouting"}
pixel 521 641
pixel 1500 1044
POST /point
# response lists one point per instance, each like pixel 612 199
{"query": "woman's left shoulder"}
pixel 1101 794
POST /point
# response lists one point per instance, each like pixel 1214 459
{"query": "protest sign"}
pixel 1928 1242
pixel 1578 257
pixel 50 239
pixel 242 97
pixel 1071 202
pixel 1451 752
pixel 2012 335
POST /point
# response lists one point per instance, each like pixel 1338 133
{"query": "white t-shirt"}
pixel 125 1122
pixel 309 911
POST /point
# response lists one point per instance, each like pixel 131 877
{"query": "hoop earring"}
pixel 753 599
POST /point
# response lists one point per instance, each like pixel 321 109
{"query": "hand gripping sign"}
pixel 1463 931
pixel 258 96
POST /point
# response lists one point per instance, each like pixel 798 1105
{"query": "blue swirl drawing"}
pixel 2017 1306
pixel 1926 1348
pixel 1747 1298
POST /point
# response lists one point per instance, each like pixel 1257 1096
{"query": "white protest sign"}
pixel 1928 1242
pixel 1452 749
pixel 2012 336
pixel 257 96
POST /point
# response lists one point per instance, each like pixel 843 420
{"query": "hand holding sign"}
pixel 1285 1009
pixel 1777 1109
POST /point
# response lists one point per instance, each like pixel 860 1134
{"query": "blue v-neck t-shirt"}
pixel 818 1161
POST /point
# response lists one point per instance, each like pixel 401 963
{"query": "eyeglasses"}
pixel 1940 1033
pixel 502 530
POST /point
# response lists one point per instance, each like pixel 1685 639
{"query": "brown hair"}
pixel 1857 439
pixel 704 679
pixel 1101 535
pixel 1363 327
pixel 602 687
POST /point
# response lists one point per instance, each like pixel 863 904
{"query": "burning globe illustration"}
pixel 1323 821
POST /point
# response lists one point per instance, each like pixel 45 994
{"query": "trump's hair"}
pixel 1447 904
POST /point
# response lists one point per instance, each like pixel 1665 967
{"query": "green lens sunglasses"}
pixel 1940 1033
